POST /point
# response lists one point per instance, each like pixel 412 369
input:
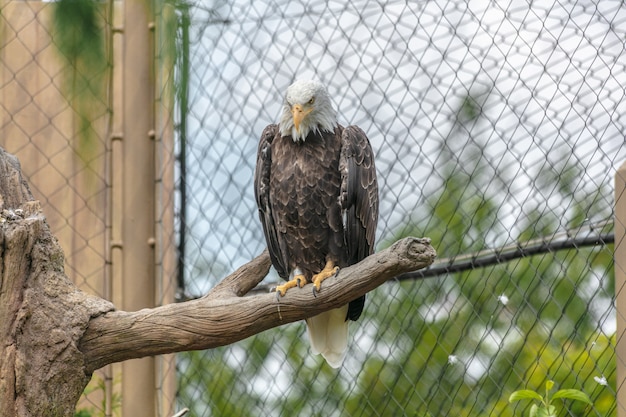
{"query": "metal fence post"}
pixel 138 227
pixel 620 287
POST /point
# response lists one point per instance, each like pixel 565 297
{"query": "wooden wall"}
pixel 109 203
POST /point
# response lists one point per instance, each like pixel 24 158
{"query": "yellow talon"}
pixel 297 281
pixel 329 270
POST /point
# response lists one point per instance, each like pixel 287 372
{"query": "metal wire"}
pixel 497 129
pixel 569 239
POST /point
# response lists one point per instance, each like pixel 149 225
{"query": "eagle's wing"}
pixel 358 200
pixel 262 195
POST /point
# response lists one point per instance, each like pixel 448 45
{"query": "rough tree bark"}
pixel 53 336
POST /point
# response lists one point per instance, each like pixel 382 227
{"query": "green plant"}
pixel 545 407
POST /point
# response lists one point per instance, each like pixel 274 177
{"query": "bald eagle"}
pixel 317 195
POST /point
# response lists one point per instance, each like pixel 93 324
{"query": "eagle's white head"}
pixel 306 109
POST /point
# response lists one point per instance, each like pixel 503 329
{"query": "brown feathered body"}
pixel 318 200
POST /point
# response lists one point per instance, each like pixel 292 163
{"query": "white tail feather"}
pixel 328 333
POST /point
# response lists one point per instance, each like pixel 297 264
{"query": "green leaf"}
pixel 572 394
pixel 525 394
pixel 542 411
pixel 549 385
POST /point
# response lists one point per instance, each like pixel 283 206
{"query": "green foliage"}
pixel 79 34
pixel 546 408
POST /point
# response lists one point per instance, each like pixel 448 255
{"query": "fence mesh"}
pixel 36 121
pixel 61 100
pixel 493 123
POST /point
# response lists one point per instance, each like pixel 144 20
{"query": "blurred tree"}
pixel 481 334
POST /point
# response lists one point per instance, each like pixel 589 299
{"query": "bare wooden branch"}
pixel 225 317
pixel 49 327
pixel 244 279
pixel 13 188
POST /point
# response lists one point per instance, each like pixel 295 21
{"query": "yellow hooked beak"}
pixel 299 113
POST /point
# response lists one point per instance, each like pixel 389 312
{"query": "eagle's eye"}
pixel 312 100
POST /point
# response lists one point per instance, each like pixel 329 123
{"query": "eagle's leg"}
pixel 329 270
pixel 298 281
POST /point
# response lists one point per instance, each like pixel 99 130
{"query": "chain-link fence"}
pixel 64 114
pixel 497 128
pixel 38 124
pixel 494 123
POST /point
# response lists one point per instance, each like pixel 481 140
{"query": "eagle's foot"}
pixel 297 281
pixel 329 270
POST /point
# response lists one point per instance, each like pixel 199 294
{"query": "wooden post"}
pixel 166 252
pixel 620 287
pixel 138 194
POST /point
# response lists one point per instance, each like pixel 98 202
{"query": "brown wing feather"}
pixel 358 200
pixel 262 195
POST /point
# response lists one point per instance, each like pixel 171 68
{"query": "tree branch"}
pixel 244 279
pixel 50 328
pixel 226 316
